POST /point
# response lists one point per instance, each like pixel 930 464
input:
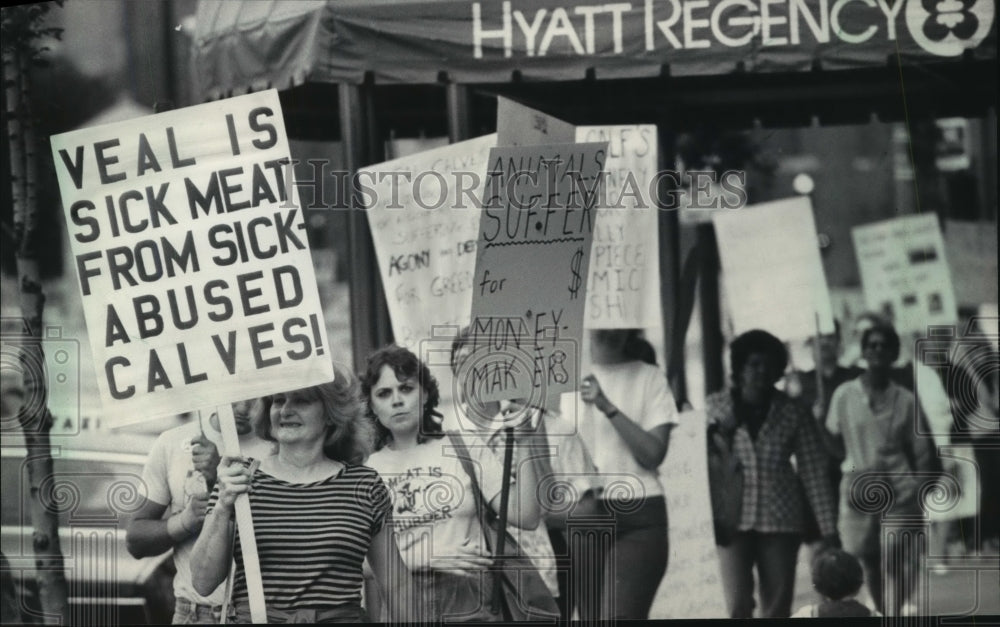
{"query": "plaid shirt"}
pixel 772 492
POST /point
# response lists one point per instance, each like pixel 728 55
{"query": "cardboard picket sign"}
pixel 623 288
pixel 192 257
pixel 518 125
pixel 772 272
pixel 424 212
pixel 693 579
pixel 971 248
pixel 904 272
pixel 532 260
pixel 194 267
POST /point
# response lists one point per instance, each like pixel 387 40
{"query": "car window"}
pixel 88 492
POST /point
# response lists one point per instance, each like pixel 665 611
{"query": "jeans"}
pixel 618 579
pixel 775 555
pixel 561 550
pixel 454 597
pixel 189 613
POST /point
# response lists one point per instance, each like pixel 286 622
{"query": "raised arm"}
pixel 648 447
pixel 150 534
pixel 213 552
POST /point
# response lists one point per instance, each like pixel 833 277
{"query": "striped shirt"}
pixel 312 538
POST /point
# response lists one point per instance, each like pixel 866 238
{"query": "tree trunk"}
pixel 34 416
pixel 10 608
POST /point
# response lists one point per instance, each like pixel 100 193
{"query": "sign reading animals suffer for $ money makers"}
pixel 533 255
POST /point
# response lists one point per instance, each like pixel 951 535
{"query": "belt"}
pixel 351 611
pixel 186 604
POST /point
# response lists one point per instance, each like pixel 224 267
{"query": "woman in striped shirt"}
pixel 317 513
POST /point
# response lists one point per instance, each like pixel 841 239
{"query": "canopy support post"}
pixel 459 112
pixel 670 270
pixel 370 326
pixel 712 345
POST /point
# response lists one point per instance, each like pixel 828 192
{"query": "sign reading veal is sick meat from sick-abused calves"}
pixel 533 255
pixel 191 251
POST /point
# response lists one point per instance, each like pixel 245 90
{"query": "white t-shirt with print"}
pixel 433 505
pixel 171 480
pixel 639 391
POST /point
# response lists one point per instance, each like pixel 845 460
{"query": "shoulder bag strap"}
pixel 464 457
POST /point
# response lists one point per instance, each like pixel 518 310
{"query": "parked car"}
pixel 97 482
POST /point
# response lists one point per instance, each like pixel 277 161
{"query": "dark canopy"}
pixel 245 46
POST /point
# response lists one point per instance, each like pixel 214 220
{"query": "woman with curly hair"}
pixel 317 512
pixel 762 428
pixel 437 523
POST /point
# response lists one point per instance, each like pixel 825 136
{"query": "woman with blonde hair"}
pixel 317 512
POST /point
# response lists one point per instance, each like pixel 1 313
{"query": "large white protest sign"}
pixel 532 259
pixel 972 257
pixel 772 272
pixel 623 289
pixel 193 262
pixel 424 213
pixel 904 272
pixel 692 585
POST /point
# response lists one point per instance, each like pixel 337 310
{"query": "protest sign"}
pixel 518 125
pixel 693 585
pixel 772 272
pixel 424 213
pixel 972 257
pixel 193 262
pixel 904 272
pixel 623 289
pixel 532 259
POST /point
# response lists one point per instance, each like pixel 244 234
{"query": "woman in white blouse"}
pixel 625 416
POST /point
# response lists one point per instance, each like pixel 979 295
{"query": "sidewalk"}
pixel 952 591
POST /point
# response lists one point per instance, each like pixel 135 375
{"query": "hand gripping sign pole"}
pixel 244 521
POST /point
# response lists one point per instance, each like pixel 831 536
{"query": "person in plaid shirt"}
pixel 764 429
